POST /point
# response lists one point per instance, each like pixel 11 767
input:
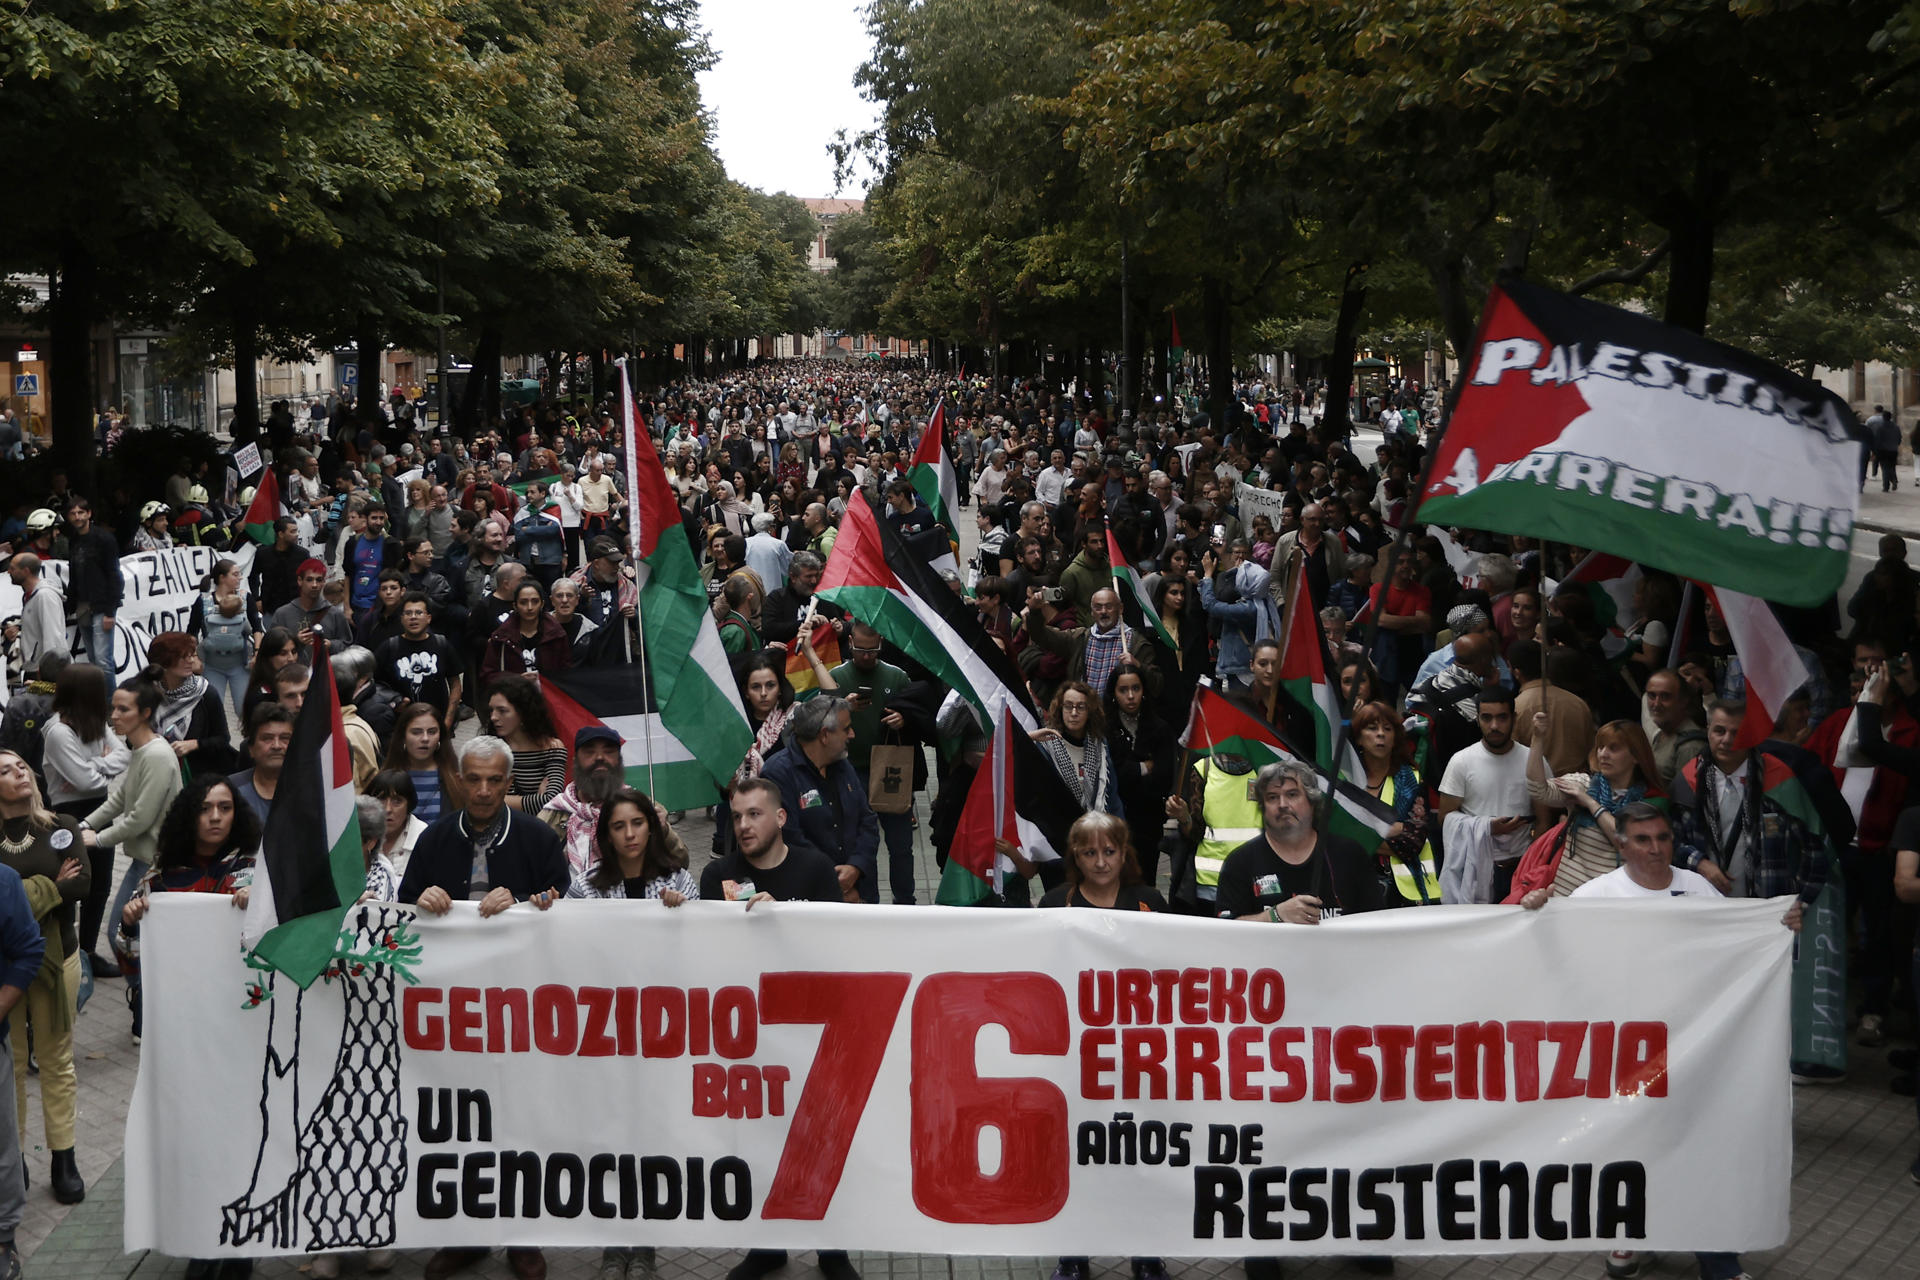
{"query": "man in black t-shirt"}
pixel 1290 873
pixel 421 664
pixel 761 857
pixel 762 865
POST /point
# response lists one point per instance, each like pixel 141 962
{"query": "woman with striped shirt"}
pixel 520 718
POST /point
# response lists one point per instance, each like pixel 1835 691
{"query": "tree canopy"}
pixel 286 175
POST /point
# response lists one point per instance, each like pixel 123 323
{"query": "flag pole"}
pixel 630 429
pixel 1677 646
pixel 1296 572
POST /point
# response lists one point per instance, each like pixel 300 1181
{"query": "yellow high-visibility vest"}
pixel 1231 817
pixel 1418 885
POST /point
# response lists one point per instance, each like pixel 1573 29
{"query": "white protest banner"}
pixel 1461 1080
pixel 160 588
pixel 246 460
pixel 1258 502
pixel 158 591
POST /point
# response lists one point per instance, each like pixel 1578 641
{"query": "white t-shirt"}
pixel 1618 884
pixel 1492 786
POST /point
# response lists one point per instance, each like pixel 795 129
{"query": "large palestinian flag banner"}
pixel 1605 429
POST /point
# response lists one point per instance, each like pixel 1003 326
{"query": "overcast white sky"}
pixel 783 85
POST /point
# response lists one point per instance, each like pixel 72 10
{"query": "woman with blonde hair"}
pixel 1103 870
pixel 1103 873
pixel 1405 858
pixel 1623 772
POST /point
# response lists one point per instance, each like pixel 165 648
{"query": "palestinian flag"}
pixel 1609 581
pixel 1216 726
pixel 1303 673
pixel 265 508
pixel 553 504
pixel 688 692
pixel 1176 349
pixel 931 474
pixel 1018 796
pixel 1603 428
pixel 988 815
pixel 1768 660
pixel 1126 585
pixel 309 873
pixel 876 579
pixel 656 760
pixel 826 643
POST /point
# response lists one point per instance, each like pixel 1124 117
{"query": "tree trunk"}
pixel 1219 352
pixel 472 404
pixel 1457 320
pixel 70 314
pixel 366 339
pixel 598 371
pixel 1346 336
pixel 1690 271
pixel 246 363
pixel 489 376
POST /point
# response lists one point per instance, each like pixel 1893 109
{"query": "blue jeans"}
pixel 229 683
pixel 896 829
pixel 1718 1266
pixel 136 870
pixel 100 646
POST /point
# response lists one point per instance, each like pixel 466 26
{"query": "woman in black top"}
pixel 1102 870
pixel 1102 873
pixel 276 649
pixel 191 716
pixel 1145 755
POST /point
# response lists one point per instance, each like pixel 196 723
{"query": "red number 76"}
pixel 951 1103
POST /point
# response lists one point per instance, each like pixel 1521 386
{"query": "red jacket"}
pixel 1888 794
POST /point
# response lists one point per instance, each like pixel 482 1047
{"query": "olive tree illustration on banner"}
pixel 341 1163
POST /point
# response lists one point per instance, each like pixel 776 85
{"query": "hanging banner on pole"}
pixel 991 1082
pixel 1605 429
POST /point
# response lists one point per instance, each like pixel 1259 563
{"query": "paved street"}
pixel 1855 1213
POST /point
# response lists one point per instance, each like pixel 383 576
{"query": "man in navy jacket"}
pixel 825 801
pixel 497 856
pixel 486 852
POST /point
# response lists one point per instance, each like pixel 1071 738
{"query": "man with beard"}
pixel 1487 782
pixel 1290 873
pixel 574 814
pixel 781 613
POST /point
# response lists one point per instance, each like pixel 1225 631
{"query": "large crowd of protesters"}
pixel 1538 729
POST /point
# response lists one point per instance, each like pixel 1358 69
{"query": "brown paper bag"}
pixel 890 778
